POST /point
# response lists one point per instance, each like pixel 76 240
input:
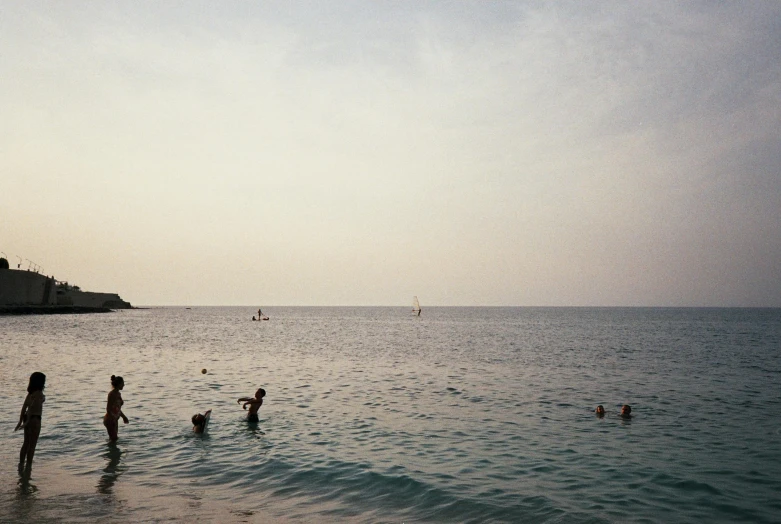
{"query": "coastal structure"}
pixel 30 292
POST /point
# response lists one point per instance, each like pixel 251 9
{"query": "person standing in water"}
pixel 114 408
pixel 254 404
pixel 30 418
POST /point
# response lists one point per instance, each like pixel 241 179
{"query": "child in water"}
pixel 600 411
pixel 626 411
pixel 199 421
pixel 254 404
pixel 30 418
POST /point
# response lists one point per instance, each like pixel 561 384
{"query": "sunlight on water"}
pixel 373 415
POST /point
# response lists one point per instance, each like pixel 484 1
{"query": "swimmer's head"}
pixel 600 410
pixel 260 393
pixel 117 382
pixel 626 410
pixel 198 419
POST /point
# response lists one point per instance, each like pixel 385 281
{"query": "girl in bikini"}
pixel 30 418
pixel 114 408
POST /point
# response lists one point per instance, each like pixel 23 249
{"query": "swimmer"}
pixel 626 411
pixel 600 411
pixel 30 418
pixel 199 421
pixel 254 404
pixel 114 408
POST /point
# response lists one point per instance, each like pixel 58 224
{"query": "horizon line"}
pixel 149 306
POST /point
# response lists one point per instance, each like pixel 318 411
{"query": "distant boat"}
pixel 415 306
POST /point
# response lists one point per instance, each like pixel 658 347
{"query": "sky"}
pixel 359 153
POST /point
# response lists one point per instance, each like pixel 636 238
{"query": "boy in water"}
pixel 254 404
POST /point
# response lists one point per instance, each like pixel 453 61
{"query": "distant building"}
pixel 28 288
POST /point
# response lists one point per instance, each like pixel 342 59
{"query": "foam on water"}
pixel 373 415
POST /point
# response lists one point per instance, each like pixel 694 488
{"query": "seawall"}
pixel 72 297
pixel 20 288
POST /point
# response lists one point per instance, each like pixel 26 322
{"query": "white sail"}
pixel 415 306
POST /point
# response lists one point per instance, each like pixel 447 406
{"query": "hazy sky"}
pixel 359 153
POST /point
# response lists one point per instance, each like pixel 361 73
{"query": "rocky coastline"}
pixel 51 310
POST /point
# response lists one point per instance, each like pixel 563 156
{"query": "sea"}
pixel 375 415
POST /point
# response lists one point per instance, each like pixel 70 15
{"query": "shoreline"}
pixel 51 310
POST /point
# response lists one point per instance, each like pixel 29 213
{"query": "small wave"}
pixel 351 490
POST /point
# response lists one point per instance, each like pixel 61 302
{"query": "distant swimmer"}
pixel 600 411
pixel 30 418
pixel 254 404
pixel 114 408
pixel 626 411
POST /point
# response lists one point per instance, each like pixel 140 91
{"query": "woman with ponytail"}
pixel 114 408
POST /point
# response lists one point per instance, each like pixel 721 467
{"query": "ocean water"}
pixel 373 415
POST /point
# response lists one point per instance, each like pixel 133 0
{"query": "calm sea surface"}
pixel 373 415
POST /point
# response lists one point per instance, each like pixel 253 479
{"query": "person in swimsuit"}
pixel 114 408
pixel 254 404
pixel 30 418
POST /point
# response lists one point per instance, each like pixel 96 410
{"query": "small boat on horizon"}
pixel 415 306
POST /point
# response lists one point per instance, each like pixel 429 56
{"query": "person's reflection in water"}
pixel 111 472
pixel 255 430
pixel 25 499
pixel 24 488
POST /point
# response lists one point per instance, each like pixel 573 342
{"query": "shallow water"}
pixel 373 415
